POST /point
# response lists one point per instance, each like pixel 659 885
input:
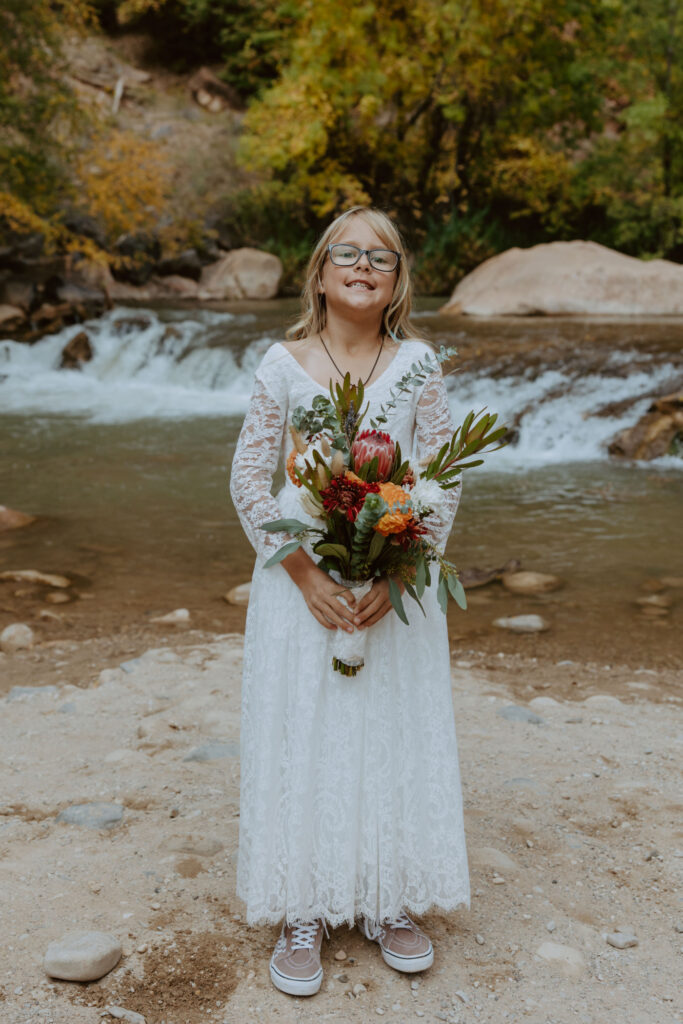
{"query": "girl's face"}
pixel 358 290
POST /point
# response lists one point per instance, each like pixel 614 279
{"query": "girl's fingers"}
pixel 379 614
pixel 333 611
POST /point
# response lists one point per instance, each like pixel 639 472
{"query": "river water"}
pixel 126 463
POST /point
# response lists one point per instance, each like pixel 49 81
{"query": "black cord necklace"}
pixel 342 375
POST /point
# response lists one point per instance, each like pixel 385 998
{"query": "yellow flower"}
pixel 393 521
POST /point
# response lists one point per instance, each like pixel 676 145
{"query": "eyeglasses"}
pixel 343 255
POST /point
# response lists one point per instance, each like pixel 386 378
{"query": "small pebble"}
pixel 142 948
pixel 379 1011
pixel 621 940
pixel 155 906
pixel 343 978
pixel 358 988
pixel 461 996
pixel 479 939
pixel 340 955
pixel 415 985
pixel 551 926
pixel 498 880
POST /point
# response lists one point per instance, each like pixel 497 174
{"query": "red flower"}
pixel 370 444
pixel 346 494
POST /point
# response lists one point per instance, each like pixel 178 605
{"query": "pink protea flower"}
pixel 370 444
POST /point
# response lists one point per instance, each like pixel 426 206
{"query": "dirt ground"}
pixel 573 831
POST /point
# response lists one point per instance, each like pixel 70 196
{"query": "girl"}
pixel 351 805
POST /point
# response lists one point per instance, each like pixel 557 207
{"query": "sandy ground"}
pixel 585 805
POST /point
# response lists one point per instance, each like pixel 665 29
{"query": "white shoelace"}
pixel 375 931
pixel 303 936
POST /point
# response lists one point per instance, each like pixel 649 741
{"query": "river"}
pixel 126 463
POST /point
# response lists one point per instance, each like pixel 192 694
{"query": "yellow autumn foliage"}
pixel 125 181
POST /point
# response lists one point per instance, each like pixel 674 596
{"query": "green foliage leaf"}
pixel 457 591
pixel 397 601
pixel 287 525
pixel 286 549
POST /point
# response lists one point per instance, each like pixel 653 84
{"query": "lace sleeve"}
pixel 254 463
pixel 433 426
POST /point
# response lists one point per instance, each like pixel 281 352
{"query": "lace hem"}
pixel 418 908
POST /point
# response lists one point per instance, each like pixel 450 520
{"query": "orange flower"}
pixel 291 459
pixel 393 521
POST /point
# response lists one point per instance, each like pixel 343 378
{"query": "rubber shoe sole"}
pixel 408 964
pixel 296 986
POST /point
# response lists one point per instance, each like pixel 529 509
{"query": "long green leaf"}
pixel 375 549
pixel 457 592
pixel 397 602
pixel 287 549
pixel 421 577
pixel 328 550
pixel 413 593
pixel 442 594
pixel 288 525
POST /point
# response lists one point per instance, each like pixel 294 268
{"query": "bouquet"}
pixel 371 508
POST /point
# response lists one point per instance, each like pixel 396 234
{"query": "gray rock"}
pixel 17 692
pixel 515 713
pixel 621 940
pixel 95 815
pixel 567 960
pixel 213 750
pixel 522 623
pixel 239 594
pixel 130 666
pixel 82 956
pixel 16 637
pixel 530 582
pixel 178 617
pixel 121 1013
pixel 490 857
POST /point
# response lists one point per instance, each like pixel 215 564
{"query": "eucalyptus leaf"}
pixel 287 549
pixel 442 594
pixel 287 525
pixel 457 592
pixel 397 601
pixel 421 577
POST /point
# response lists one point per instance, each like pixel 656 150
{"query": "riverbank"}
pixel 569 809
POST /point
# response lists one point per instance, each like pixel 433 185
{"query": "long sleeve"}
pixel 253 466
pixel 434 426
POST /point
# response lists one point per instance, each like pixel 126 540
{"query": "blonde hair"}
pixel 396 316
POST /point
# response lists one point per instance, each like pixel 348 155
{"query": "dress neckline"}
pixel 325 386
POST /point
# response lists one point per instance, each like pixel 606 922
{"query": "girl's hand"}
pixel 320 592
pixel 376 603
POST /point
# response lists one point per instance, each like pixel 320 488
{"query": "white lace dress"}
pixel 350 798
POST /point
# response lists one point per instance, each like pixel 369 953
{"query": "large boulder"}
pixel 11 318
pixel 655 434
pixel 569 277
pixel 242 274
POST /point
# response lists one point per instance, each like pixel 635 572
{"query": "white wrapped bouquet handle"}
pixel 348 649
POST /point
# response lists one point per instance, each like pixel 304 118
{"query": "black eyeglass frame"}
pixel 361 252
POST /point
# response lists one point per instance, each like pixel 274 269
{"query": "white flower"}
pixel 426 496
pixel 310 505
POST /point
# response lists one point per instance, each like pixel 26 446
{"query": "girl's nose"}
pixel 364 262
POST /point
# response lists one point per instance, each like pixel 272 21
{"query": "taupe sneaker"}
pixel 404 945
pixel 295 964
